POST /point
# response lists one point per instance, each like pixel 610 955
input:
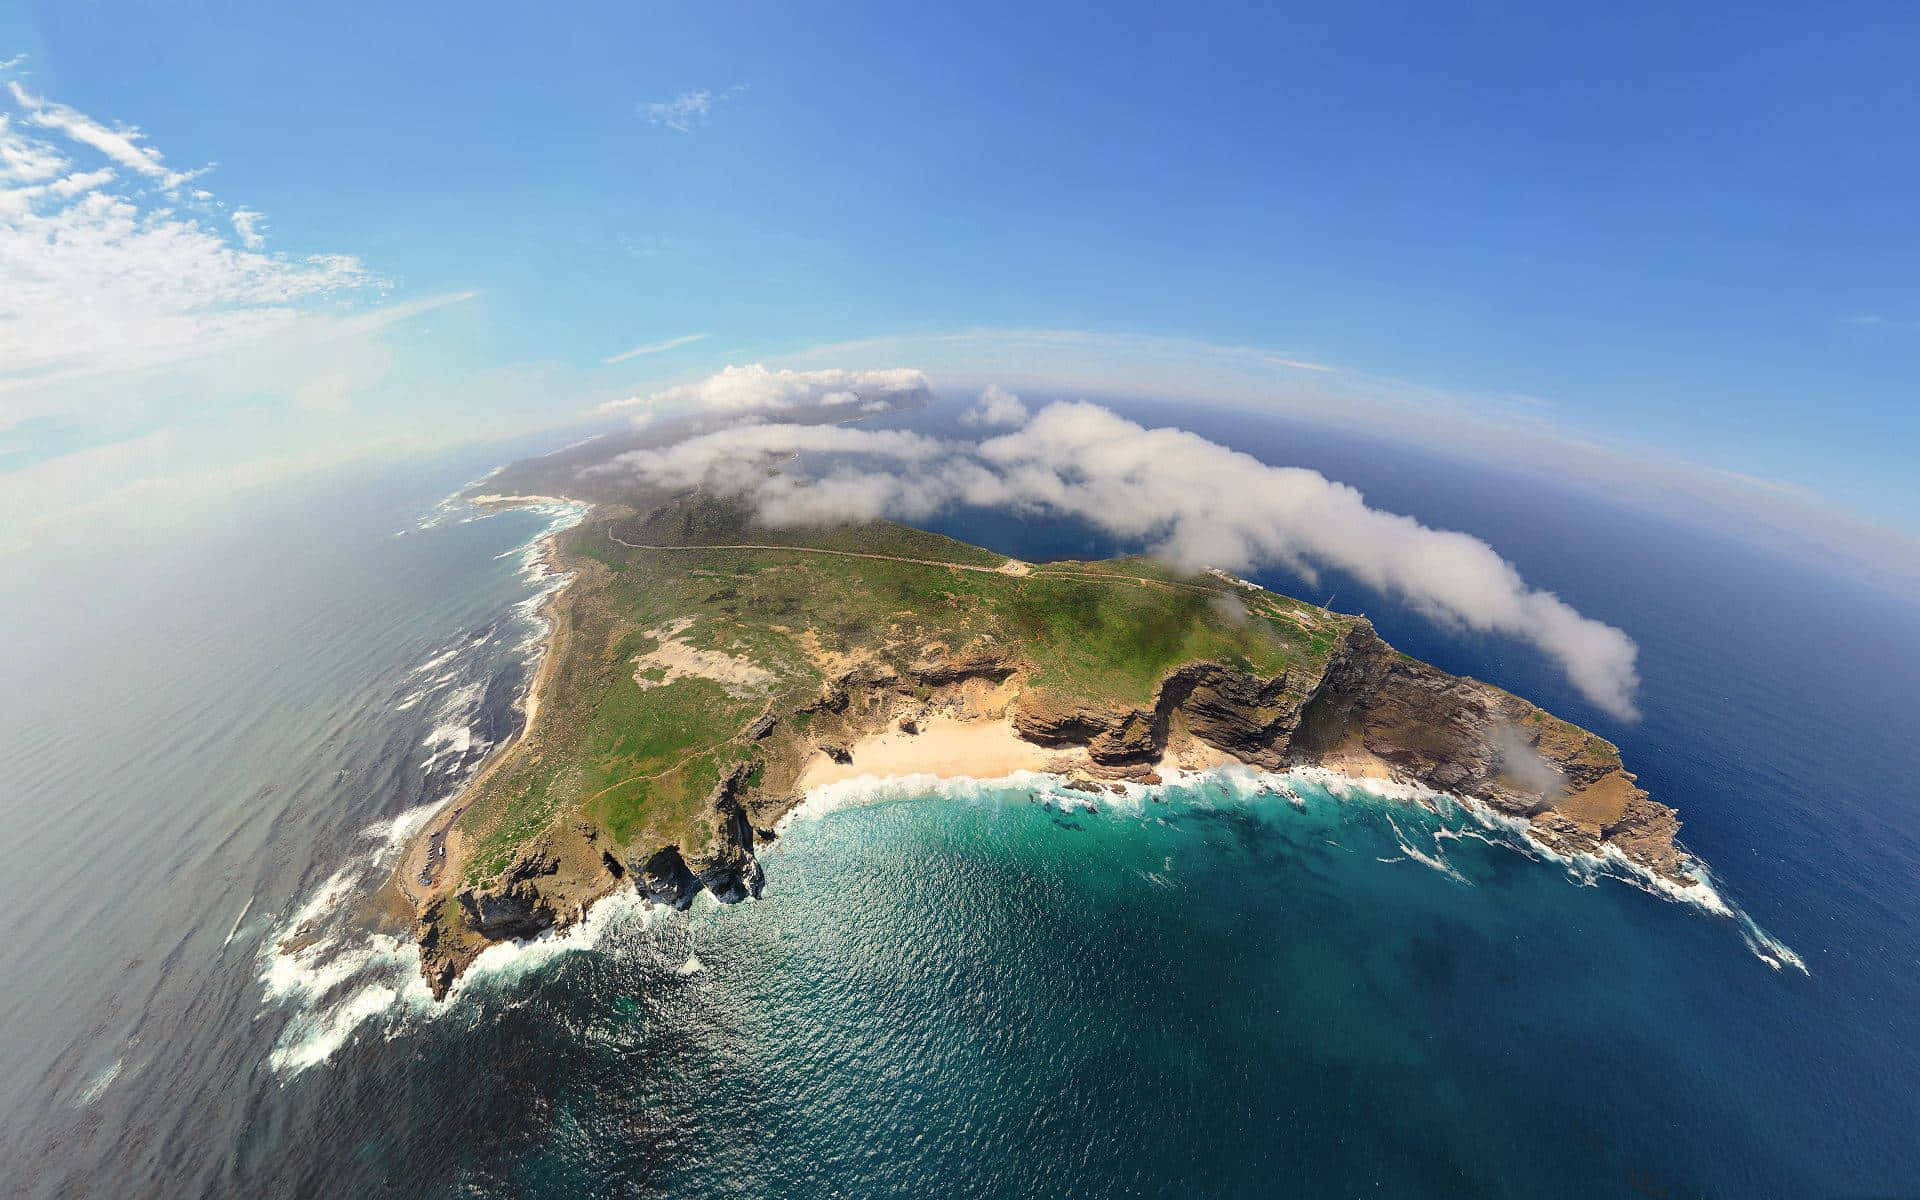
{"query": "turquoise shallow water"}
pixel 1010 995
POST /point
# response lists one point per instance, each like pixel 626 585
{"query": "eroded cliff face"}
pixel 1470 738
pixel 1367 709
pixel 561 874
pixel 1374 708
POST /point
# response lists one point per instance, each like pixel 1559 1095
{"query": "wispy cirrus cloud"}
pixel 124 145
pixel 689 109
pixel 654 348
pixel 111 265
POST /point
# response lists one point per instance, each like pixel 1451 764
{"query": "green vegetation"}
pixel 640 763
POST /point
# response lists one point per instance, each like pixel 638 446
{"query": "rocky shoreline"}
pixel 1370 710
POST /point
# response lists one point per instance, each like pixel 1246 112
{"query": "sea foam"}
pixel 1473 818
pixel 319 965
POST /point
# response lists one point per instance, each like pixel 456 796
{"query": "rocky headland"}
pixel 792 696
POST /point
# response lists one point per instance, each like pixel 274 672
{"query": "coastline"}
pixel 1358 712
pixel 934 759
pixel 437 831
pixel 975 743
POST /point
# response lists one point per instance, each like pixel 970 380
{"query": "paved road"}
pixel 1012 566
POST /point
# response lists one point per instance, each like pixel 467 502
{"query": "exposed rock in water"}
pixel 665 878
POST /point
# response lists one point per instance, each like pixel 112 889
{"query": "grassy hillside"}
pixel 675 642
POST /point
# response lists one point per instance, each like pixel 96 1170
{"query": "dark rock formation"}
pixel 664 878
pixel 977 663
pixel 515 907
pixel 1367 705
pixel 1443 731
pixel 1045 721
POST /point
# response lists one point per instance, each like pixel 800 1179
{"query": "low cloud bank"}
pixel 756 388
pixel 1192 501
pixel 997 406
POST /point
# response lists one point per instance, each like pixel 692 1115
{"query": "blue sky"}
pixel 1690 232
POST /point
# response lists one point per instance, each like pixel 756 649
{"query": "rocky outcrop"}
pixel 729 870
pixel 1365 707
pixel 1242 714
pixel 1470 738
pixel 974 663
pixel 1135 737
pixel 1047 720
pixel 1372 707
pixel 515 907
pixel 665 878
pixel 1239 713
pixel 552 885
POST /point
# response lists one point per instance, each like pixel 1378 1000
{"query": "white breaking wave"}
pixel 98 1085
pixel 244 910
pixel 1248 785
pixel 339 984
pixel 506 962
pixel 331 974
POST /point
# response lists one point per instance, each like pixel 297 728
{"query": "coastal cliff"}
pixel 1374 709
pixel 704 673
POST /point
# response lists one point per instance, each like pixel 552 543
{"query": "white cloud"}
pixel 997 406
pixel 246 225
pixel 123 145
pixel 25 160
pixel 654 348
pixel 1301 364
pixel 101 277
pixel 757 388
pixel 688 109
pixel 1193 501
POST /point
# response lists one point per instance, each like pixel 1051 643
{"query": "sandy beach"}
pixel 945 747
pixel 438 837
pixel 949 747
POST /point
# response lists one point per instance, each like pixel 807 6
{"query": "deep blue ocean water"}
pixel 978 992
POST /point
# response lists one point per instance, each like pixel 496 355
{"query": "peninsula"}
pixel 704 671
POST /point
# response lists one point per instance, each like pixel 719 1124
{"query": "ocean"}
pixel 972 989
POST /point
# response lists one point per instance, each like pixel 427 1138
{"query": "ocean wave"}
pixel 508 961
pixel 98 1085
pixel 320 965
pixel 244 910
pixel 336 986
pixel 1240 784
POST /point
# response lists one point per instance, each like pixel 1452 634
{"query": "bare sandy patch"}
pixel 676 658
pixel 1357 762
pixel 1599 804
